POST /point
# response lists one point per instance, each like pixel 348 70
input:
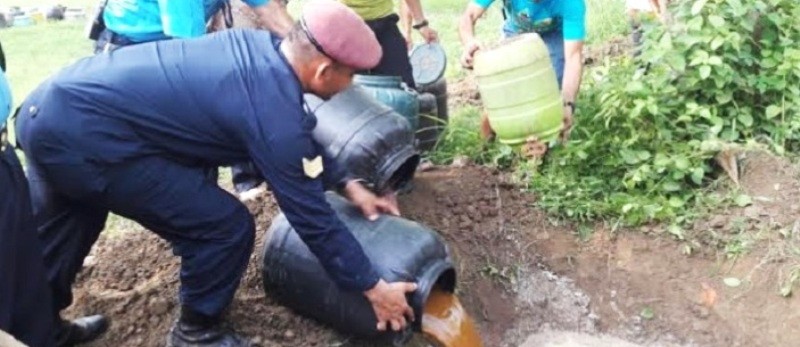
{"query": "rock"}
pixel 717 222
pixel 460 161
pixel 89 261
pixel 426 166
pixel 159 306
pixel 289 334
pixel 754 212
pixel 703 313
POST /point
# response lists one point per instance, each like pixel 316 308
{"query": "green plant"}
pixel 461 138
pixel 647 129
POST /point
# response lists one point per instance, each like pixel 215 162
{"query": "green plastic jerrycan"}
pixel 519 90
pixel 391 91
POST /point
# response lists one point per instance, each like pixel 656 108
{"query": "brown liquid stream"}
pixel 446 323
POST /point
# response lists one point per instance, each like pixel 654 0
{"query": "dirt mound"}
pixel 463 92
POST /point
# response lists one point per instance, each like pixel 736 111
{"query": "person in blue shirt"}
pixel 560 23
pixel 136 21
pixel 131 131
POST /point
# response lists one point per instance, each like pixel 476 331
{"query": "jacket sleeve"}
pixel 279 157
pixel 335 177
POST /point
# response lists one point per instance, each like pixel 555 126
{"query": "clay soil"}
pixel 519 273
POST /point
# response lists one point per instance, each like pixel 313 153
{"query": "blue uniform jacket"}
pixel 212 101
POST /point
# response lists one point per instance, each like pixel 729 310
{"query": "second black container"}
pixel 399 249
pixel 369 139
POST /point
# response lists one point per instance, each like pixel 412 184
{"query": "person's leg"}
pixel 25 298
pixel 636 31
pixel 67 228
pixel 209 229
pixel 394 61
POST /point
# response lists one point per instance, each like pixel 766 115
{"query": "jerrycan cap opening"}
pixel 440 274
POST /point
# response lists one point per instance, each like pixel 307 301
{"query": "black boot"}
pixel 81 330
pixel 197 330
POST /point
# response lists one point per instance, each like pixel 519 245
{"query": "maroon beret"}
pixel 341 34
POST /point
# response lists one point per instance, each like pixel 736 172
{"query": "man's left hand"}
pixel 370 204
pixel 429 34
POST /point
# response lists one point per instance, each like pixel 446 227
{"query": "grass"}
pixel 36 52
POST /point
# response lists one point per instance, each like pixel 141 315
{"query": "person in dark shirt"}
pixel 25 301
pixel 131 132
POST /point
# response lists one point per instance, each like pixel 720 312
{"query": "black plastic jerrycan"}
pixel 368 138
pixel 400 250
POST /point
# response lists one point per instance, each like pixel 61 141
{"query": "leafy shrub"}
pixel 723 72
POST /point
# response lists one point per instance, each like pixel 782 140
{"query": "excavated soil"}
pixel 522 276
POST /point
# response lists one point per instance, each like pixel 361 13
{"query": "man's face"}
pixel 330 78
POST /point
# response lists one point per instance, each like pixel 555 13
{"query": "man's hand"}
pixel 469 54
pixel 216 23
pixel 566 129
pixel 429 35
pixel 370 204
pixel 274 17
pixel 389 303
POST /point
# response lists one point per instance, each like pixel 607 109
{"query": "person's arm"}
pixel 466 30
pixel 655 6
pixel 570 85
pixel 574 30
pixel 663 13
pixel 415 9
pixel 406 23
pixel 272 15
pixel 216 23
pixel 298 189
pixel 182 18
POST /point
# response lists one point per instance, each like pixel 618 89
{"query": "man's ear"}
pixel 323 70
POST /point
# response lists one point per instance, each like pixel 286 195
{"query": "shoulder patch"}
pixel 313 167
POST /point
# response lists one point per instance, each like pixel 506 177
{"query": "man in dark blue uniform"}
pixel 131 131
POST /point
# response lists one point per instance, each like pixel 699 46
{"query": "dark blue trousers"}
pixel 208 228
pixel 25 299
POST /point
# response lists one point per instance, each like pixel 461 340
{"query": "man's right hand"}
pixel 469 54
pixel 390 305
